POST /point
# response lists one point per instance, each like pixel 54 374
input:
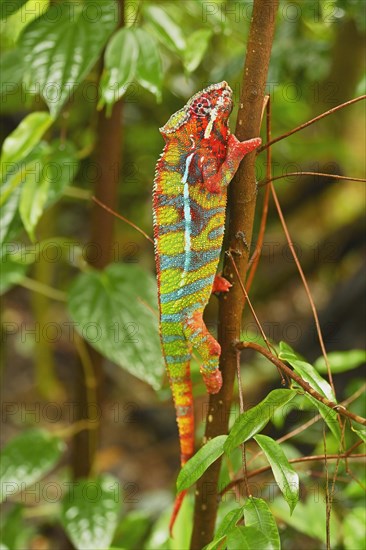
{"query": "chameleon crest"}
pixel 198 162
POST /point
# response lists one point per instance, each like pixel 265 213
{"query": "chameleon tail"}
pixel 178 363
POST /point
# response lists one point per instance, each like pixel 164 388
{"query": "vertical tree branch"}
pixel 242 199
pixel 108 161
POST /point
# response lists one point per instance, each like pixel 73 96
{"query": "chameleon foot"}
pixel 221 284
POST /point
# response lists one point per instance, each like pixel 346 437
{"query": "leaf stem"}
pixel 41 288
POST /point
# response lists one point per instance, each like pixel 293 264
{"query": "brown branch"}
pixel 242 201
pixel 312 458
pixel 107 157
pixel 302 383
pixel 305 283
pixel 291 174
pixel 309 122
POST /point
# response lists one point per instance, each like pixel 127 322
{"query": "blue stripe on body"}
pixel 186 290
pixel 187 216
pixel 198 259
pixel 172 338
pixel 217 232
pixel 177 358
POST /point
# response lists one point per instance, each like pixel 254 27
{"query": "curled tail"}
pixel 177 354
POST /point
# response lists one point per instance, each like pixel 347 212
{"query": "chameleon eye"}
pixel 201 107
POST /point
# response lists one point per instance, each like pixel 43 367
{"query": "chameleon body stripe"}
pixel 198 161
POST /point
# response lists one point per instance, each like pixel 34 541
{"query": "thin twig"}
pixel 123 219
pixel 305 283
pixel 305 173
pixel 241 408
pixel 302 383
pixel 328 504
pixel 312 458
pixel 309 122
pixel 269 346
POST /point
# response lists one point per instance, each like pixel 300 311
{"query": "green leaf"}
pixel 361 433
pixel 12 272
pixel 310 375
pixel 247 538
pixel 284 474
pixel 149 72
pixel 354 529
pixel 329 416
pixel 33 197
pixel 8 7
pixel 197 44
pixel 15 534
pixel 11 70
pixel 24 139
pixel 166 30
pixel 120 65
pixel 313 378
pixel 258 514
pixel 252 421
pixel 47 176
pixel 226 526
pixel 10 222
pixel 26 459
pixel 341 361
pixel 114 311
pixel 90 512
pixel 61 47
pixel 199 463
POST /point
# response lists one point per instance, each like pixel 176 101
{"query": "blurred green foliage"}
pixel 62 62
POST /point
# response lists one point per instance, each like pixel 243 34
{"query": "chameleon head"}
pixel 214 103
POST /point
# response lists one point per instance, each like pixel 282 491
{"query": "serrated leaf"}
pixel 61 47
pixel 26 459
pixel 247 538
pixel 11 70
pixel 168 32
pixel 120 65
pixel 149 71
pixel 199 463
pixel 90 512
pixel 284 474
pixel 197 44
pixel 8 7
pixel 253 420
pixel 341 361
pixel 114 311
pixel 24 139
pixel 258 514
